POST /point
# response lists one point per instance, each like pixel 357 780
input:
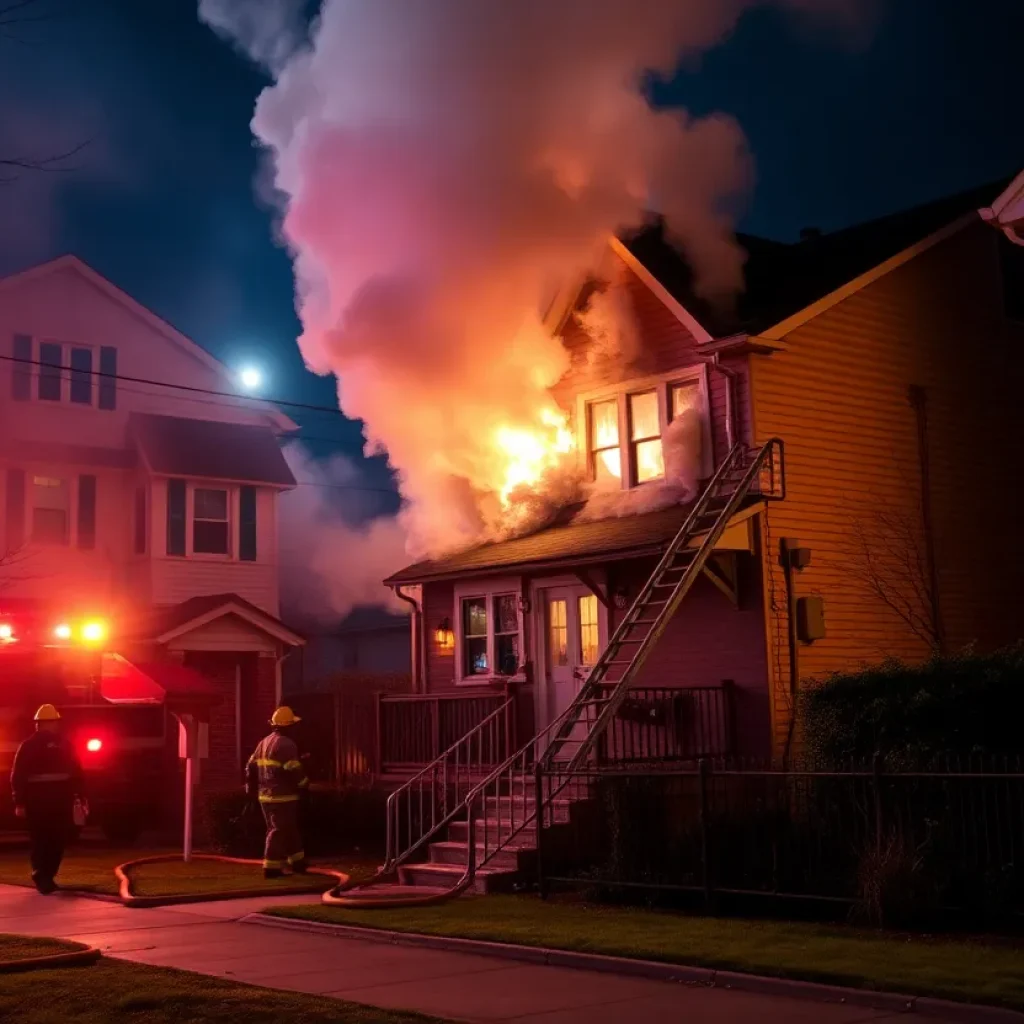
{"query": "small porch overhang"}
pixel 171 626
pixel 575 544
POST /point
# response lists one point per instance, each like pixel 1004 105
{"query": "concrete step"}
pixel 519 808
pixel 514 858
pixel 446 875
pixel 458 831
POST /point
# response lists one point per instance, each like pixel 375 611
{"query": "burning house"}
pixel 850 349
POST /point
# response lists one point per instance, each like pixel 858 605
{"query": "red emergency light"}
pixel 94 746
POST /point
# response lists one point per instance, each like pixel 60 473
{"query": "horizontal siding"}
pixel 177 579
pixel 228 633
pixel 839 398
pixel 664 345
pixel 438 604
pixel 709 641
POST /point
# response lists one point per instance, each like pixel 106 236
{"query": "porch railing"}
pixel 415 729
pixel 422 806
pixel 671 723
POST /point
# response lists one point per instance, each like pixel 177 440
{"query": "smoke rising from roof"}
pixel 442 166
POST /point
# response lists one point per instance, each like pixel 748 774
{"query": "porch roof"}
pixel 163 624
pixel 569 543
pixel 210 450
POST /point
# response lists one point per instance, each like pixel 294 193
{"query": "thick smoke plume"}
pixel 444 167
pixel 333 552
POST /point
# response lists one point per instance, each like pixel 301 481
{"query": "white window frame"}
pixel 486 590
pixel 662 385
pixel 231 555
pixel 36 372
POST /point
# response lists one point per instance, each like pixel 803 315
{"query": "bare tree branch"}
pixel 888 560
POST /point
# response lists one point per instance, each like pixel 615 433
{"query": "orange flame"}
pixel 529 452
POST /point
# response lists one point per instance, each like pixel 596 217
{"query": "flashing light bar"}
pixel 62 631
pixel 6 631
pixel 94 746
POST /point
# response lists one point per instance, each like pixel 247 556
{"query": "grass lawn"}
pixel 971 971
pixel 24 947
pixel 111 992
pixel 92 868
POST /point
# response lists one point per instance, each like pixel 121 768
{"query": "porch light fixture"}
pixel 620 597
pixel 524 604
pixel 444 635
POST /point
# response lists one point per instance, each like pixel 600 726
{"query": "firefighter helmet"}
pixel 47 713
pixel 284 716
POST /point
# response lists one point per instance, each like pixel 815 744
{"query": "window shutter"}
pixel 140 520
pixel 247 524
pixel 175 517
pixel 108 379
pixel 15 509
pixel 87 512
pixel 21 370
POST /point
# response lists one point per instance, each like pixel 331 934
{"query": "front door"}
pixel 573 636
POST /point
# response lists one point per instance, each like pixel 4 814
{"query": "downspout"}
pixel 416 638
pixel 730 375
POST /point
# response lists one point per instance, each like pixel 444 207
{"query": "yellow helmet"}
pixel 284 716
pixel 47 713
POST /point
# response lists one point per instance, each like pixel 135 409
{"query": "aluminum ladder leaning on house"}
pixel 572 736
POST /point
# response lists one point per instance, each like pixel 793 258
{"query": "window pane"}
pixel 604 425
pixel 506 653
pixel 643 416
pixel 210 504
pixel 50 525
pixel 607 465
pixel 650 465
pixel 49 372
pixel 558 634
pixel 476 656
pixel 474 617
pixel 588 629
pixel 684 397
pixel 506 617
pixel 81 376
pixel 209 538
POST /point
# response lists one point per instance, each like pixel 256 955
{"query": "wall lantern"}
pixel 524 604
pixel 444 635
pixel 620 597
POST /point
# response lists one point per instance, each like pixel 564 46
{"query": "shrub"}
pixel 895 887
pixel 960 705
pixel 332 821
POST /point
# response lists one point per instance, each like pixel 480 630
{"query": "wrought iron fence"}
pixel 896 844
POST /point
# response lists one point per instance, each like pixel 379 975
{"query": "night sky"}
pixel 163 198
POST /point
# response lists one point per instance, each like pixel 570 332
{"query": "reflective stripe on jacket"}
pixel 45 763
pixel 276 769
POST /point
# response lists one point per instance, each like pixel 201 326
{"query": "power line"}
pixel 308 406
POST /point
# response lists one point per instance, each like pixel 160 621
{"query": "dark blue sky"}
pixel 163 202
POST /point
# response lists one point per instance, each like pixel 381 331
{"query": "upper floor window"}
pixel 204 519
pixel 210 533
pixel 626 432
pixel 56 371
pixel 51 510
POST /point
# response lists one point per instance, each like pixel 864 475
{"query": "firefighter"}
pixel 46 779
pixel 276 775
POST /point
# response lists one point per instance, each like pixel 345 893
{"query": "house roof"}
pixel 570 542
pixel 780 278
pixel 158 324
pixel 210 449
pixel 163 624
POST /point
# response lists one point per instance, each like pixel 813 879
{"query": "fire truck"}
pixel 122 746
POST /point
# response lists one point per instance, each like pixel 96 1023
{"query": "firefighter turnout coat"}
pixel 275 771
pixel 46 775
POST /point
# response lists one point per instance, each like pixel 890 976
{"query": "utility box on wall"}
pixel 810 619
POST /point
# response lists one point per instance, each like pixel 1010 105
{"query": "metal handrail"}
pixel 517 767
pixel 453 766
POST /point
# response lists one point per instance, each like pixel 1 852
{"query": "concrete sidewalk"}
pixel 208 939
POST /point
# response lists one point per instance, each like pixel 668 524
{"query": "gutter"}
pixel 416 637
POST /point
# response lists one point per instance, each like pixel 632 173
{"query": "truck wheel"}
pixel 122 832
